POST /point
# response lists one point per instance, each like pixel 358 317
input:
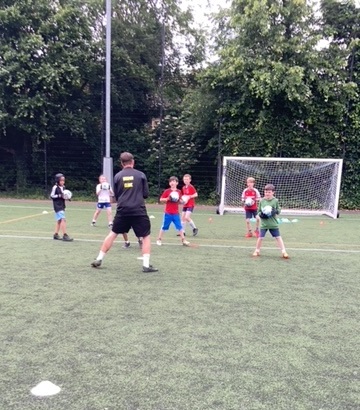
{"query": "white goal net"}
pixel 304 186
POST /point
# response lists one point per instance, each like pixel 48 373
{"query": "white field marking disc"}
pixel 45 388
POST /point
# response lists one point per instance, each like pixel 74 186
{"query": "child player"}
pixel 57 196
pixel 171 198
pixel 268 210
pixel 104 193
pixel 251 197
pixel 189 191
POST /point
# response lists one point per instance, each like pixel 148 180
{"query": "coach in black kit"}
pixel 130 189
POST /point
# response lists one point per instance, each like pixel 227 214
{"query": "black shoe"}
pixel 126 245
pixel 149 269
pixel 96 263
pixel 195 231
pixel 67 238
pixel 57 237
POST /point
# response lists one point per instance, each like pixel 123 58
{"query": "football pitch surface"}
pixel 215 328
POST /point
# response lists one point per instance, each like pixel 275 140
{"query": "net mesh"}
pixel 302 186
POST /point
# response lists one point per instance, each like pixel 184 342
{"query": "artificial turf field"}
pixel 215 328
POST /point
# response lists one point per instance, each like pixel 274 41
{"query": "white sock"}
pixel 192 224
pixel 101 256
pixel 146 260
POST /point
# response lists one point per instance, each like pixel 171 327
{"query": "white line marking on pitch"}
pixel 354 251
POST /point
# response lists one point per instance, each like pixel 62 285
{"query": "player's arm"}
pixel 56 192
pixel 145 187
pixel 257 195
pixel 165 197
pixel 243 195
pixel 98 189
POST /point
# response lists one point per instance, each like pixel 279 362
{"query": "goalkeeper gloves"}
pixel 274 212
pixel 263 216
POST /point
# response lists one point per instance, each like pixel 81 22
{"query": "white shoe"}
pixel 158 242
pixel 186 243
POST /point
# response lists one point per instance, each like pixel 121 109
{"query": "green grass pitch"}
pixel 215 328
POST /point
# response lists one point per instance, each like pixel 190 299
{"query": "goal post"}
pixel 304 186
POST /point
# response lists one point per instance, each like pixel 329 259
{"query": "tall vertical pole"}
pixel 161 103
pixel 107 160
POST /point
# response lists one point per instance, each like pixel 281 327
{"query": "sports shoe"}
pixel 57 237
pixel 96 263
pixel 158 242
pixel 110 225
pixel 256 253
pixel 249 235
pixel 126 245
pixel 93 223
pixel 195 231
pixel 67 238
pixel 140 242
pixel 256 233
pixel 149 269
pixel 185 243
pixel 285 255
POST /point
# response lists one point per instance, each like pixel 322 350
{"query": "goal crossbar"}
pixel 304 186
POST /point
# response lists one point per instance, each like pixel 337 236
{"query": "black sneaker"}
pixel 67 238
pixel 195 231
pixel 96 263
pixel 93 223
pixel 149 269
pixel 126 245
pixel 110 226
pixel 57 237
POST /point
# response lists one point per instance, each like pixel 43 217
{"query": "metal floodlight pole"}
pixel 161 103
pixel 107 160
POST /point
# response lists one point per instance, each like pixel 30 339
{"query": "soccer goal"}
pixel 304 186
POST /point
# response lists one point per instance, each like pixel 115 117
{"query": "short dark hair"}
pixel 126 158
pixel 269 187
pixel 173 179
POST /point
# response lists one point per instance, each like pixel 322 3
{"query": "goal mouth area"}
pixel 284 211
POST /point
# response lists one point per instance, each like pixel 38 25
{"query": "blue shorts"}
pixel 188 209
pixel 275 233
pixel 102 205
pixel 175 219
pixel 60 215
pixel 250 213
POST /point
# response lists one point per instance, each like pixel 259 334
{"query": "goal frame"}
pixel 306 212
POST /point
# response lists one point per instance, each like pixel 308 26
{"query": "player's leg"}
pixel 188 218
pixel 96 214
pixel 248 215
pixel 183 219
pixel 178 226
pixel 257 224
pixel 120 226
pixel 165 227
pixel 126 240
pixel 109 215
pixel 276 234
pixel 62 227
pixel 259 242
pixel 142 228
pixel 57 226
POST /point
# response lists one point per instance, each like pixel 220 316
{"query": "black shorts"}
pixel 140 225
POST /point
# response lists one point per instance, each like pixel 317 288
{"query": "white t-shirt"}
pixel 103 194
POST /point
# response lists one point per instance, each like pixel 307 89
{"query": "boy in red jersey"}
pixel 171 198
pixel 189 191
pixel 251 196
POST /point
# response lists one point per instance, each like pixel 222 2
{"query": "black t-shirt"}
pixel 130 189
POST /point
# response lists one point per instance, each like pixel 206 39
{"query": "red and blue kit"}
pixel 251 193
pixel 189 190
pixel 171 208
